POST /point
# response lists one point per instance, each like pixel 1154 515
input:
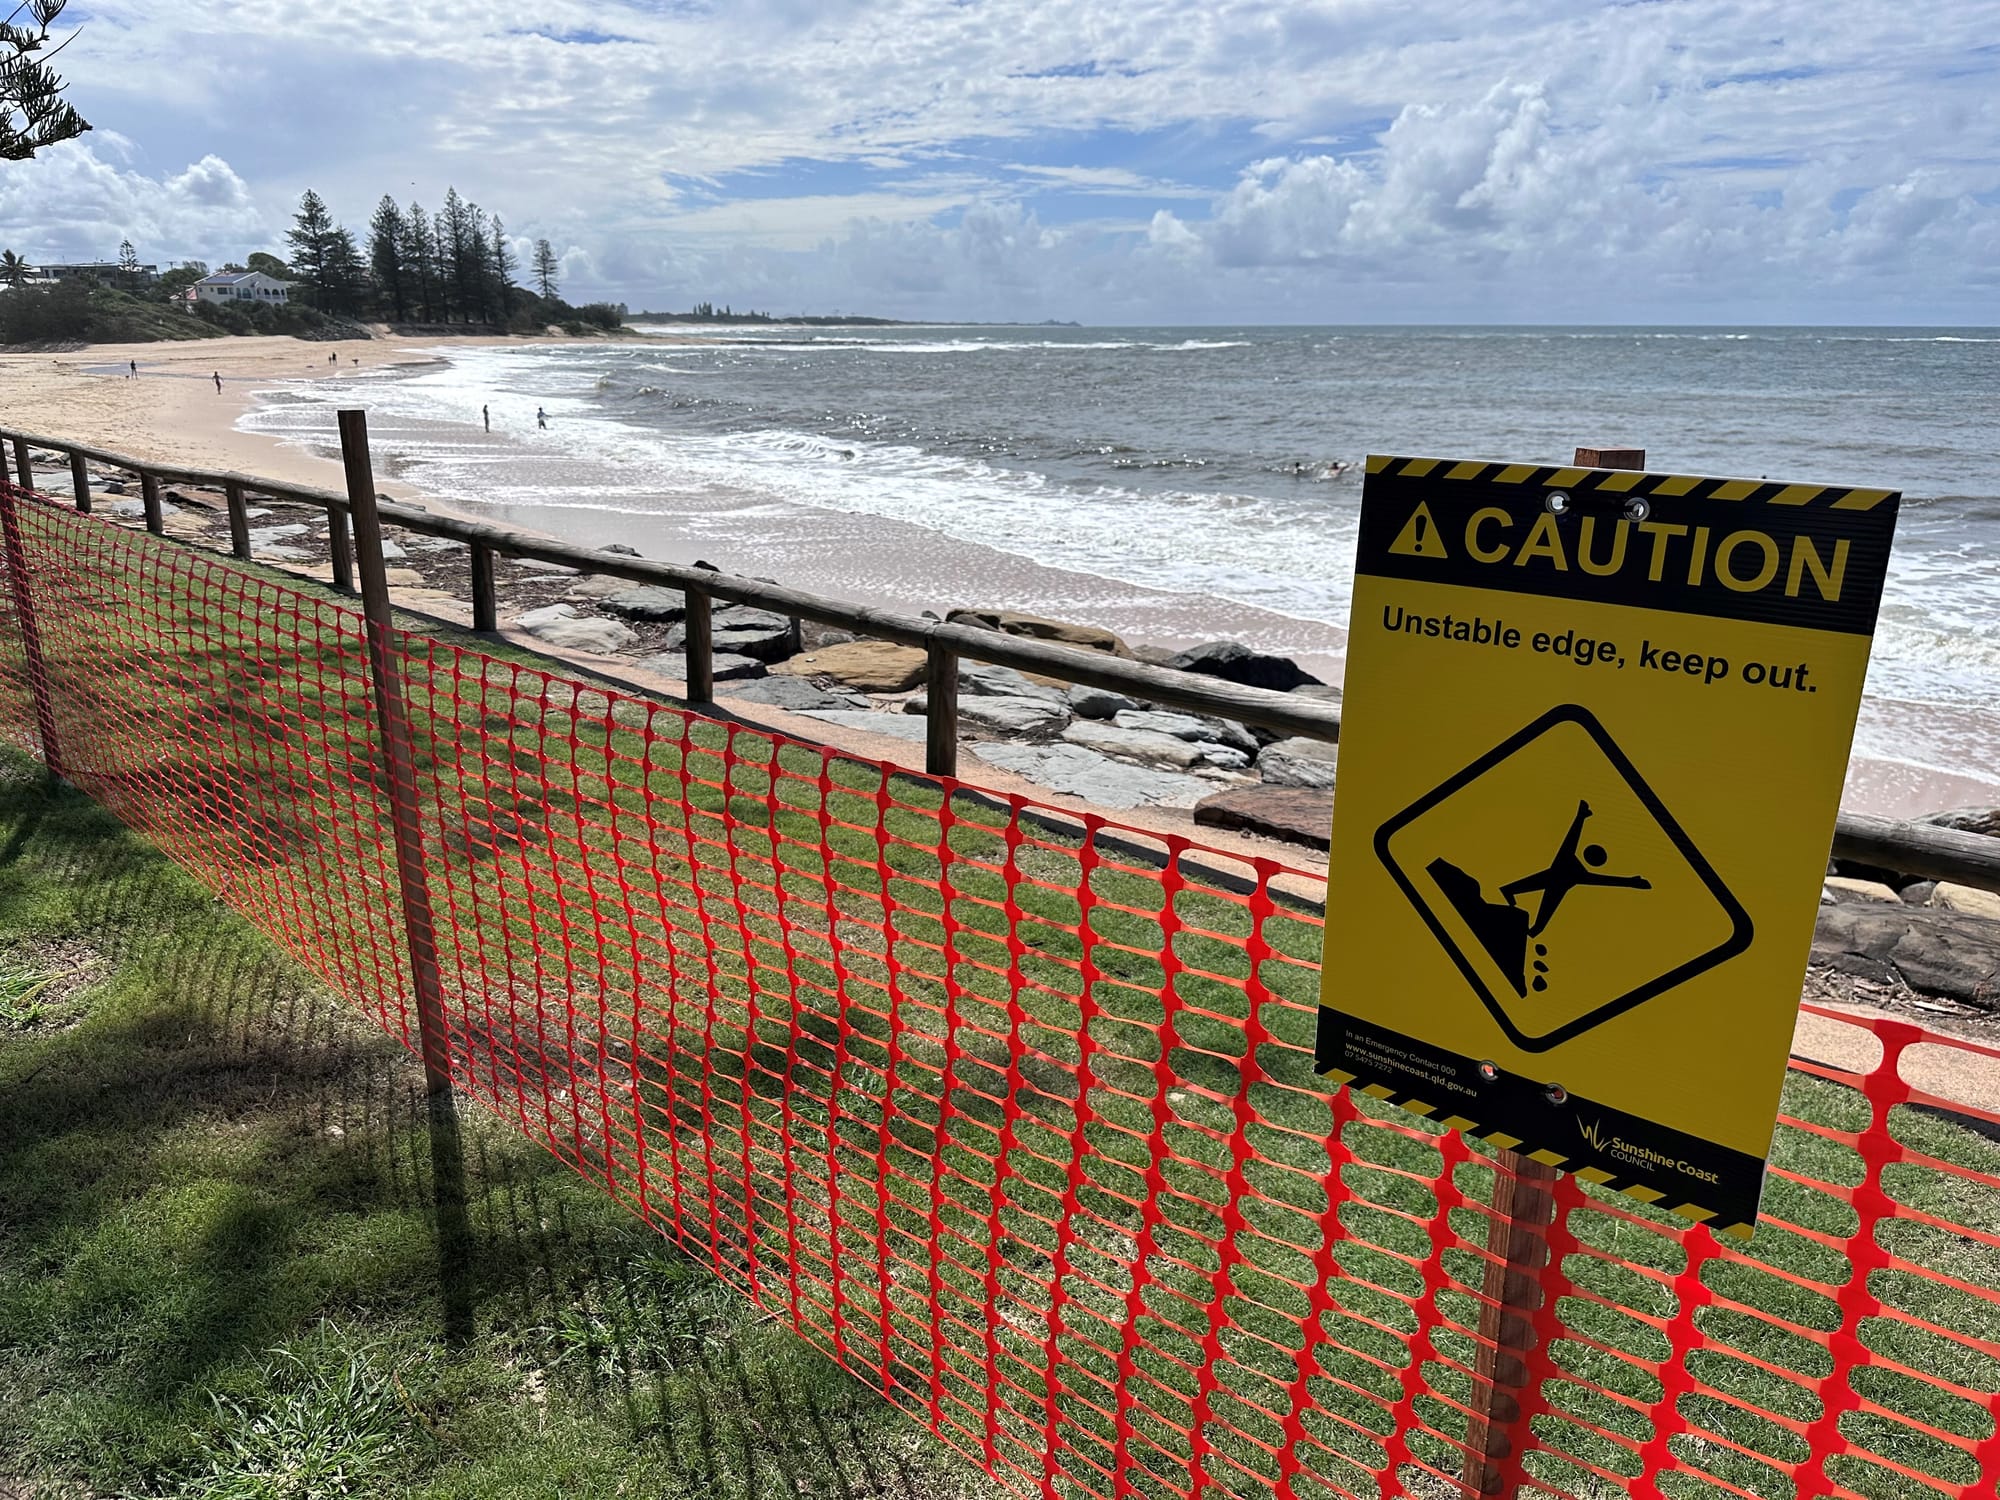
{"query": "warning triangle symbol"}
pixel 1420 536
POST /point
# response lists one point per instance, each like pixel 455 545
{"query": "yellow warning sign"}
pixel 1594 732
pixel 1419 536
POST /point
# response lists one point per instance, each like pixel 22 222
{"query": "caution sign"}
pixel 1594 732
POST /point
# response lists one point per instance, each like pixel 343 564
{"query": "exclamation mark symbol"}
pixel 1419 537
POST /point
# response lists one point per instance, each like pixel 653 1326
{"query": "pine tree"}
pixel 346 273
pixel 460 253
pixel 420 255
pixel 311 239
pixel 33 113
pixel 128 263
pixel 386 258
pixel 503 270
pixel 480 249
pixel 546 268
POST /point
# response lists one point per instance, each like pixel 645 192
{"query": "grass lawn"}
pixel 901 1068
pixel 218 1276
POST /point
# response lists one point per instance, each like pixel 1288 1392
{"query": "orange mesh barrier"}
pixel 1009 1109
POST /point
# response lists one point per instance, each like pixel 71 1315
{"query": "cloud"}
pixel 1241 159
pixel 80 207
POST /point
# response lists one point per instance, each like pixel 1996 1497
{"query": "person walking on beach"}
pixel 218 382
pixel 135 370
pixel 486 416
pixel 541 418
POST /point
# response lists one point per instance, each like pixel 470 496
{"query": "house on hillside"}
pixel 108 272
pixel 241 286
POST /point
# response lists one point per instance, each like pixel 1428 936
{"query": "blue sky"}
pixel 1139 161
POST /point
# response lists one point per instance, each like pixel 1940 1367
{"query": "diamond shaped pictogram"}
pixel 1559 884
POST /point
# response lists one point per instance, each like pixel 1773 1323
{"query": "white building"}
pixel 242 286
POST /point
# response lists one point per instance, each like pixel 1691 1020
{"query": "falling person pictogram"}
pixel 1504 928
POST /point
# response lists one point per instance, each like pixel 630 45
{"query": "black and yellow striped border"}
pixel 1632 482
pixel 1500 1140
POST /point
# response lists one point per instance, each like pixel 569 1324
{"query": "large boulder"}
pixel 724 666
pixel 1233 661
pixel 1012 622
pixel 1098 703
pixel 646 601
pixel 1970 899
pixel 746 632
pixel 871 666
pixel 1150 747
pixel 1296 814
pixel 1015 714
pixel 1945 953
pixel 1299 762
pixel 984 679
pixel 560 625
pixel 796 694
pixel 1189 727
pixel 1082 772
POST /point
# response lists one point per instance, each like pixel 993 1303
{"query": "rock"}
pixel 621 550
pixel 872 666
pixel 1145 746
pixel 1014 714
pixel 1190 727
pixel 560 625
pixel 277 533
pixel 747 632
pixel 900 726
pixel 1098 703
pixel 1296 814
pixel 796 694
pixel 1299 762
pixel 724 666
pixel 603 587
pixel 812 636
pixel 1233 661
pixel 1847 888
pixel 115 486
pixel 254 511
pixel 984 679
pixel 537 565
pixel 127 509
pixel 1984 820
pixel 280 552
pixel 1326 692
pixel 1155 656
pixel 1945 953
pixel 1010 622
pixel 1918 892
pixel 403 578
pixel 641 602
pixel 391 551
pixel 1964 898
pixel 1081 772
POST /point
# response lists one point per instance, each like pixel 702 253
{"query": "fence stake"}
pixel 485 602
pixel 340 550
pixel 941 711
pixel 31 634
pixel 79 483
pixel 149 493
pixel 23 470
pixel 700 647
pixel 447 1151
pixel 239 521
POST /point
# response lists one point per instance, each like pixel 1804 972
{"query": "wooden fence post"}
pixel 485 602
pixel 340 551
pixel 149 494
pixel 941 711
pixel 31 634
pixel 1517 1244
pixel 699 646
pixel 79 483
pixel 447 1150
pixel 24 471
pixel 239 520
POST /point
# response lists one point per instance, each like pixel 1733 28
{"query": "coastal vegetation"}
pixel 33 112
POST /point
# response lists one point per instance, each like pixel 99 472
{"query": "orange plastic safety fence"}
pixel 1010 1109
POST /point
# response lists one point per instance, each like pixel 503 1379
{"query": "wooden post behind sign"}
pixel 447 1152
pixel 1517 1246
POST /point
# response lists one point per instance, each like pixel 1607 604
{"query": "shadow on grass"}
pixel 204 1158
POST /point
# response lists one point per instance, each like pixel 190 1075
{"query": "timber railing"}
pixel 1009 1111
pixel 1905 847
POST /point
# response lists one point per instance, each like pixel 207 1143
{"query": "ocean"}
pixel 1200 464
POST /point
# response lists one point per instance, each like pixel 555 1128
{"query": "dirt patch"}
pixel 38 980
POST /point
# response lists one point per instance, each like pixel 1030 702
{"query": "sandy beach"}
pixel 172 410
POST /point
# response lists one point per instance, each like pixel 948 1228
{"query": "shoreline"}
pixel 173 412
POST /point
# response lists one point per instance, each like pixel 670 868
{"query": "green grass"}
pixel 217 1270
pixel 709 972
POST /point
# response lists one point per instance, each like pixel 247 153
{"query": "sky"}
pixel 1102 161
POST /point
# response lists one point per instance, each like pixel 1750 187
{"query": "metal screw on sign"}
pixel 1557 503
pixel 385 668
